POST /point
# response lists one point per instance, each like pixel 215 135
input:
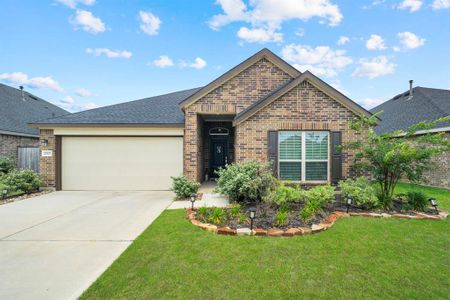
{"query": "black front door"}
pixel 219 154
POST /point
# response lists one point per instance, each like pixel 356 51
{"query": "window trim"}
pixel 303 159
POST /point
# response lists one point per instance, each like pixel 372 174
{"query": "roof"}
pixel 160 110
pixel 17 111
pixel 264 53
pixel 311 78
pixel 401 112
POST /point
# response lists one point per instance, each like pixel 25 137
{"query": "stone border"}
pixel 315 228
pixel 24 196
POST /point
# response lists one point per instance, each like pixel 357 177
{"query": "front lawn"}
pixel 357 258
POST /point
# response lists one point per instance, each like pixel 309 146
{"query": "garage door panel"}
pixel 120 163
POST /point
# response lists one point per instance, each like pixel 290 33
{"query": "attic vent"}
pixel 398 96
pixel 33 97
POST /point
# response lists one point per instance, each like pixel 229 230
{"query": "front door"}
pixel 219 154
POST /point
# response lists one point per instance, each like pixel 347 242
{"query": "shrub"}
pixel 183 187
pixel 247 181
pixel 216 216
pixel 242 218
pixel 7 164
pixel 284 195
pixel 317 196
pixel 417 200
pixel 22 180
pixel 281 217
pixel 361 190
pixel 235 210
pixel 202 212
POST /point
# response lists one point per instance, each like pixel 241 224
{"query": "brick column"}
pixel 47 164
pixel 191 154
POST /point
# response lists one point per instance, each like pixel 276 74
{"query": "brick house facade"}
pixel 10 143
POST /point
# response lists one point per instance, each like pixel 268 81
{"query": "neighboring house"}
pixel 17 109
pixel 411 107
pixel 263 109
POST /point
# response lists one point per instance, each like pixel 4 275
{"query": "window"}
pixel 303 155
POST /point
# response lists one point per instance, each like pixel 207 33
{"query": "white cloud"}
pixel 259 35
pixel 343 40
pixel 150 23
pixel 440 4
pixel 412 5
pixel 163 61
pixel 87 21
pixel 39 82
pixel 375 42
pixel 300 32
pixel 82 92
pixel 68 100
pixel 73 3
pixel 109 53
pixel 375 67
pixel 409 40
pixel 198 63
pixel 373 4
pixel 321 60
pixel 338 86
pixel 369 103
pixel 267 16
pixel 70 104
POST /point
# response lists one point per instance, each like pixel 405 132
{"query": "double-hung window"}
pixel 303 155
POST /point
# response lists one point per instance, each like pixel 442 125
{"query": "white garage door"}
pixel 120 163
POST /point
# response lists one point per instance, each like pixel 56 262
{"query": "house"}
pixel 17 109
pixel 411 107
pixel 263 109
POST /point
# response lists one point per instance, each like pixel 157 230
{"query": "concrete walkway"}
pixel 54 246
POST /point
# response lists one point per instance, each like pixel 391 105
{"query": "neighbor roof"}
pixel 160 110
pixel 401 112
pixel 17 111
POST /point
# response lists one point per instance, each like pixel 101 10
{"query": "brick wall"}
pixel 230 98
pixel 303 108
pixel 47 165
pixel 10 143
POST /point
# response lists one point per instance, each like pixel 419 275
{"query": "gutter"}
pixel 434 130
pixel 5 132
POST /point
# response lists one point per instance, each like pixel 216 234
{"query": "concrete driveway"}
pixel 54 246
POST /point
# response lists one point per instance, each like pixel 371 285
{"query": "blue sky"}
pixel 86 53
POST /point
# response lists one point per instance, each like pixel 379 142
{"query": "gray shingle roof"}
pixel 16 112
pixel 401 112
pixel 163 110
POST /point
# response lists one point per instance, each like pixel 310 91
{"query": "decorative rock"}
pixel 315 228
pixel 210 228
pixel 402 216
pixel 275 232
pixel 341 214
pixel 326 225
pixel 443 215
pixel 364 214
pixel 196 222
pixel 243 231
pixel 304 230
pixel 260 232
pixel 292 232
pixel 354 214
pixel 375 215
pixel 226 231
pixel 385 215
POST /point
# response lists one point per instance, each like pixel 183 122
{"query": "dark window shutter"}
pixel 272 151
pixel 336 156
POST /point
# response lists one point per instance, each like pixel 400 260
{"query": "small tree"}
pixel 392 156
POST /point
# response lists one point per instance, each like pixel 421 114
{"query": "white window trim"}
pixel 303 158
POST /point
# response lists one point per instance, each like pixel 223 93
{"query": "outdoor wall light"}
pixel 349 202
pixel 252 215
pixel 193 196
pixel 44 142
pixel 4 193
pixel 434 204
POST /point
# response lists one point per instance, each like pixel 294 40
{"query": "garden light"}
pixel 193 196
pixel 252 215
pixel 4 193
pixel 434 204
pixel 349 202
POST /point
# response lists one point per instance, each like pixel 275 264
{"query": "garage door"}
pixel 120 163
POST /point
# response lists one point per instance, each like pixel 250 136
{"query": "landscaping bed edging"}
pixel 315 228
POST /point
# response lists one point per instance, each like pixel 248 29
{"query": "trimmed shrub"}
pixel 317 196
pixel 183 187
pixel 22 180
pixel 7 164
pixel 284 195
pixel 281 218
pixel 361 190
pixel 247 181
pixel 417 200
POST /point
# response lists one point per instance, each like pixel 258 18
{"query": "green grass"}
pixel 357 258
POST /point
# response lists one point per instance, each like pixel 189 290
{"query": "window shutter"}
pixel 336 156
pixel 272 151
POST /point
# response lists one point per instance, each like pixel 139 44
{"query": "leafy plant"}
pixel 247 181
pixel 202 212
pixel 317 196
pixel 183 187
pixel 7 164
pixel 217 216
pixel 392 156
pixel 235 210
pixel 281 217
pixel 22 180
pixel 284 195
pixel 417 200
pixel 361 190
pixel 242 218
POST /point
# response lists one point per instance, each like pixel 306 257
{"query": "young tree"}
pixel 388 157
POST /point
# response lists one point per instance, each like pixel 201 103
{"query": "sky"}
pixel 82 54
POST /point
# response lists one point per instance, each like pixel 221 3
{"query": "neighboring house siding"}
pixel 10 143
pixel 230 98
pixel 303 108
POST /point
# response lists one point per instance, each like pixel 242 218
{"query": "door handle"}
pixel 226 160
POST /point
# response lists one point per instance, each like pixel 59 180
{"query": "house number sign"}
pixel 47 153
